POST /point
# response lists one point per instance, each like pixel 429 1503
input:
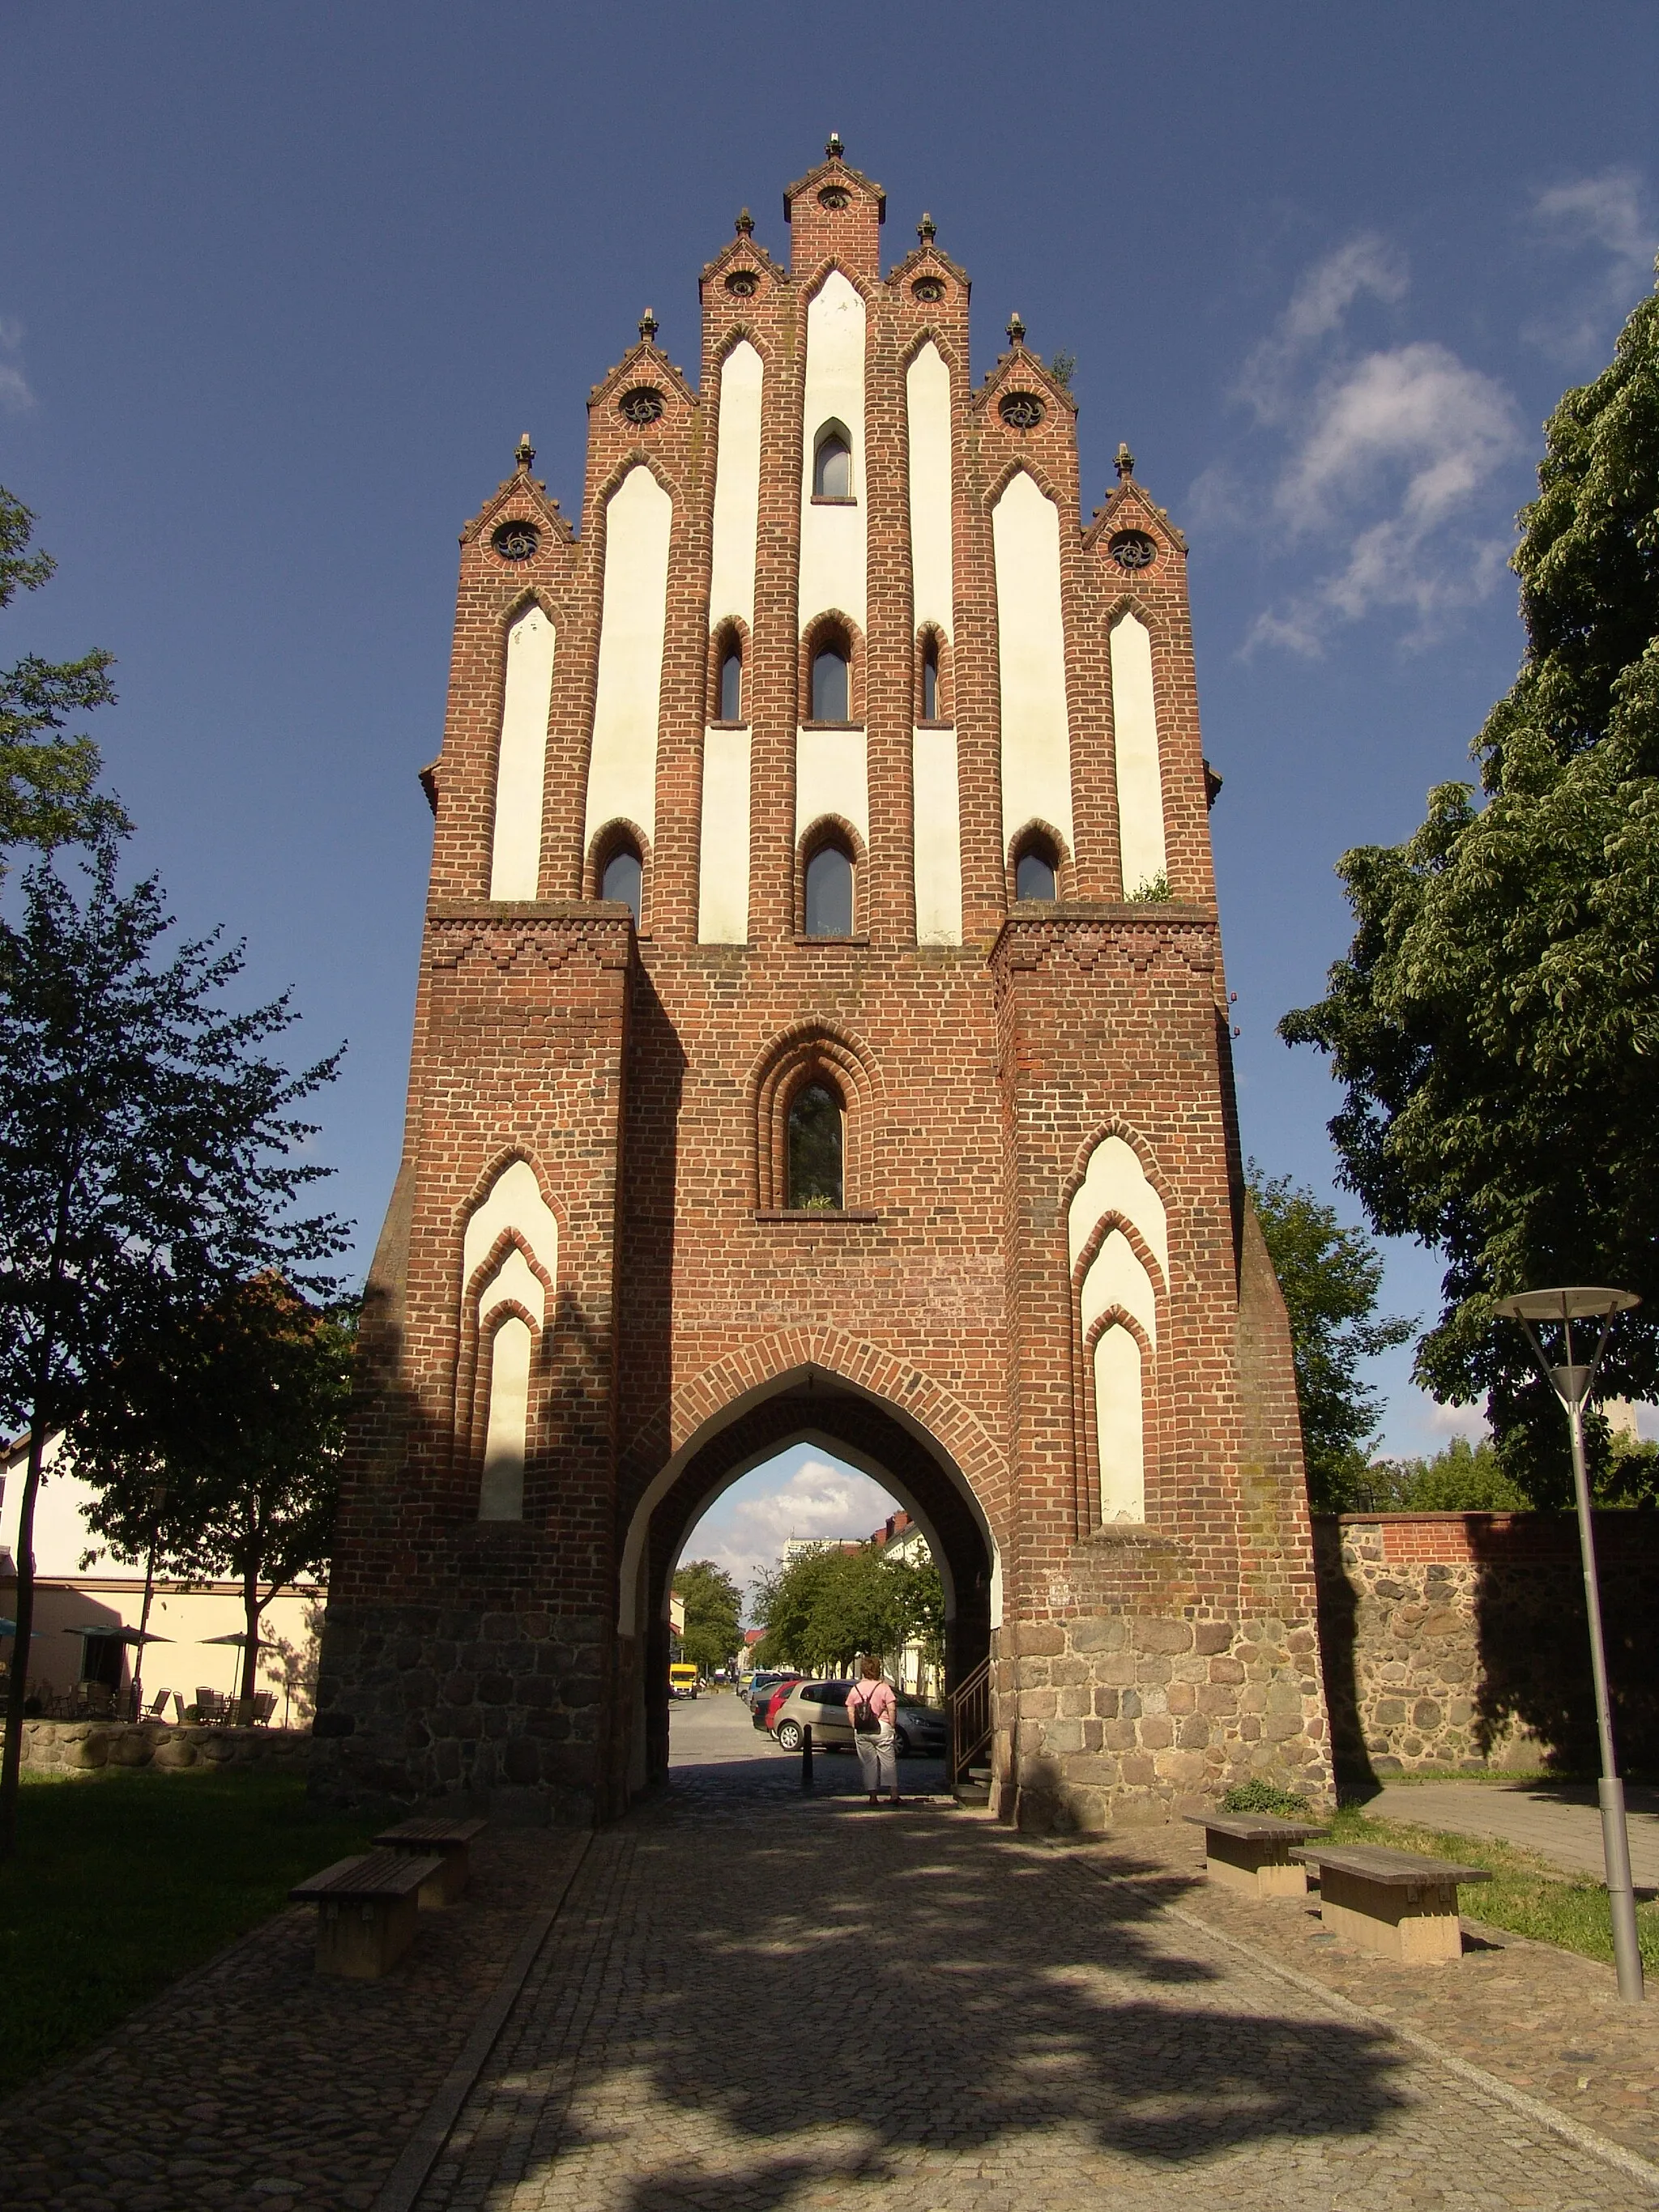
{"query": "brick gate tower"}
pixel 821 1035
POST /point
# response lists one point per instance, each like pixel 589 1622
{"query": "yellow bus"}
pixel 682 1680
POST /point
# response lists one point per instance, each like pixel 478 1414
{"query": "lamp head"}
pixel 1578 1303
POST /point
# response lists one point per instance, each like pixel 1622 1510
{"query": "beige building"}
pixel 71 1598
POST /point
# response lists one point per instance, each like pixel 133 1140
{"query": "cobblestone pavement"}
pixel 1545 2020
pixel 933 2015
pixel 252 2083
pixel 1559 1821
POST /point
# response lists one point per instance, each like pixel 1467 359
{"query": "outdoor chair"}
pixel 264 1705
pixel 158 1706
pixel 180 1711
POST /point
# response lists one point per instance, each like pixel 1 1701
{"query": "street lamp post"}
pixel 1572 1383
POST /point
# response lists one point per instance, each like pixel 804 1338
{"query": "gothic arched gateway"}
pixel 822 1032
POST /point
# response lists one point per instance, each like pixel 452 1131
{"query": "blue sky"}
pixel 281 285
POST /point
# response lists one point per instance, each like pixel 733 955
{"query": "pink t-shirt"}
pixel 879 1696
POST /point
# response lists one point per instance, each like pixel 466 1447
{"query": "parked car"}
pixel 758 1689
pixel 770 1702
pixel 918 1729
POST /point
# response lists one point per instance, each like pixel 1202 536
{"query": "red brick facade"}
pixel 929 1328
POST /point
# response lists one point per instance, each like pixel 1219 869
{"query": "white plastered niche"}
pixel 832 537
pixel 832 776
pixel 936 797
pixel 513 1202
pixel 621 770
pixel 1115 1184
pixel 515 857
pixel 723 891
pixel 737 488
pixel 1036 751
pixel 723 860
pixel 1140 774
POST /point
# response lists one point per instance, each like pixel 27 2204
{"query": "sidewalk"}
pixel 1559 1821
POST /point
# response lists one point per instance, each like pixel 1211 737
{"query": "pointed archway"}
pixel 812 1405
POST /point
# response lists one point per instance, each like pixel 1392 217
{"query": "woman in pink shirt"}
pixel 872 1708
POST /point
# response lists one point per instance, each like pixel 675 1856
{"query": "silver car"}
pixel 918 1728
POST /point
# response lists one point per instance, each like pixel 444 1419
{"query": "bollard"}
pixel 806 1756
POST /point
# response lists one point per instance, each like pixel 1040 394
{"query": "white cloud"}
pixel 1417 433
pixel 16 397
pixel 801 1493
pixel 1367 264
pixel 1609 212
pixel 1383 464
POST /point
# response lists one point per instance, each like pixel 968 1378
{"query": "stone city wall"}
pixel 80 1747
pixel 1459 1641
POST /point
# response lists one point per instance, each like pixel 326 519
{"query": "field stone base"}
pixel 1115 1721
pixel 85 1747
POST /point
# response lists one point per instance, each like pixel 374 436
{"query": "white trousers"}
pixel 878 1762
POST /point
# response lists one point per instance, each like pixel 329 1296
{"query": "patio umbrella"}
pixel 239 1638
pixel 120 1635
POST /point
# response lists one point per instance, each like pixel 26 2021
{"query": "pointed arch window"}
pixel 817 1143
pixel 730 701
pixel 624 879
pixel 831 689
pixel 832 463
pixel 930 678
pixel 830 886
pixel 1036 868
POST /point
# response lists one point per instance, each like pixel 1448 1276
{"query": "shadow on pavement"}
pixel 909 1986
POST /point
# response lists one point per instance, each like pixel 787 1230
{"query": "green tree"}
pixel 825 1607
pixel 1330 1277
pixel 1463 1477
pixel 144 1167
pixel 714 1610
pixel 1495 1023
pixel 919 1606
pixel 46 777
pixel 234 1415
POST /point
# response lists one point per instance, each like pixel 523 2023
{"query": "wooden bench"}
pixel 448 1840
pixel 1394 1903
pixel 366 1911
pixel 1251 1852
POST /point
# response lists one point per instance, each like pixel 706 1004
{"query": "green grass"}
pixel 1527 1895
pixel 121 1881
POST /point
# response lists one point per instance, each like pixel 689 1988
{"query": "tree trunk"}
pixel 250 1650
pixel 17 1689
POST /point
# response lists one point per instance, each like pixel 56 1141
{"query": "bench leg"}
pixel 1419 1928
pixel 363 1940
pixel 1254 1869
pixel 448 1885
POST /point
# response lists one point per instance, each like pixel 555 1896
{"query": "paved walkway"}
pixel 1559 1821
pixel 750 1998
pixel 755 2000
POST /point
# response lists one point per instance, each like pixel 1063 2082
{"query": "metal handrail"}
pixel 970 1720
